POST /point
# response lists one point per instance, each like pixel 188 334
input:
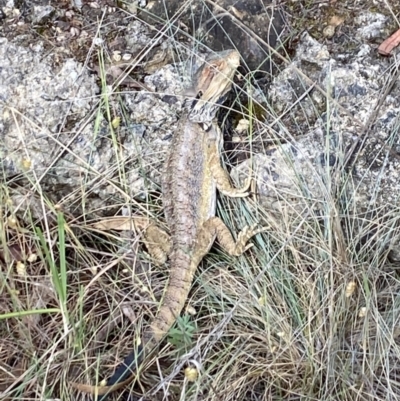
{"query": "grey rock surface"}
pixel 51 131
pixel 36 98
pixel 223 24
pixel 328 156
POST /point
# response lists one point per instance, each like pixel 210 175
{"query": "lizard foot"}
pixel 216 228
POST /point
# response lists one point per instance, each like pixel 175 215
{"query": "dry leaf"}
pixel 21 269
pixel 121 223
pixel 336 21
pixel 350 288
pixel 389 44
pixel 191 374
pixel 362 312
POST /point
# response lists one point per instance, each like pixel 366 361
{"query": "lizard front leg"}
pixel 220 176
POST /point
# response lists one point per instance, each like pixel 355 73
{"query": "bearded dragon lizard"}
pixel 192 174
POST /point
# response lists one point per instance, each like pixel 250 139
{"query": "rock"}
pixel 44 136
pixel 328 157
pixel 224 24
pixel 36 98
pixel 41 14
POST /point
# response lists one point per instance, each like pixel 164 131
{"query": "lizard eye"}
pixel 199 95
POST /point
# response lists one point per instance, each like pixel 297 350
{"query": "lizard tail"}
pixel 124 372
pixel 122 376
pixel 180 281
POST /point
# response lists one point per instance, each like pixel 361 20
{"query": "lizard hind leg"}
pixel 215 227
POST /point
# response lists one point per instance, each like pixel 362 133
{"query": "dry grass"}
pixel 311 312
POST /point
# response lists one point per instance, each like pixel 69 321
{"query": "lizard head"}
pixel 211 83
